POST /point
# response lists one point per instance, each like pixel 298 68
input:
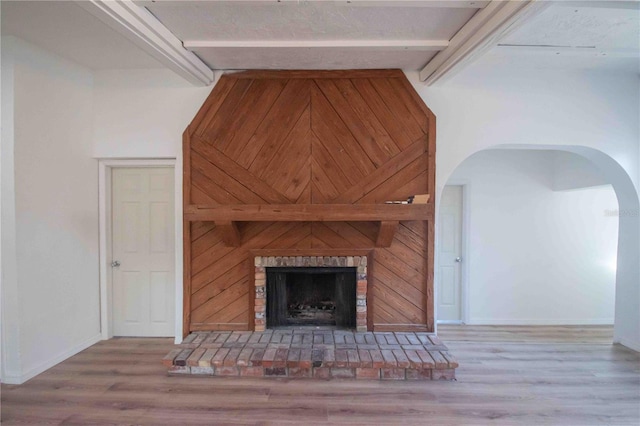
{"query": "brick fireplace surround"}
pixel 260 279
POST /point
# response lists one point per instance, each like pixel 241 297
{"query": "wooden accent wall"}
pixel 308 137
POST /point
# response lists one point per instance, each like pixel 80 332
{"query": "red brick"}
pixel 251 371
pixel 321 373
pixel 329 358
pixel 260 302
pixel 414 360
pixel 280 360
pixel 418 374
pixel 427 361
pixel 181 359
pixel 343 373
pixel 195 356
pixel 453 362
pixel 205 360
pixel 401 358
pixel 175 369
pixel 226 371
pixel 377 361
pixel 231 359
pixel 392 373
pixel 365 358
pixel 354 359
pixel 275 371
pixel 256 358
pixel 245 357
pixel 389 359
pixel 300 372
pixel 167 361
pixel 218 358
pixel 440 361
pixel 305 358
pixel 269 357
pixel 368 373
pixel 443 374
pixel 342 358
pixel 293 357
pixel 317 355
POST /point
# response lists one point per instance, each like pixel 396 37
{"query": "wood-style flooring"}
pixel 507 376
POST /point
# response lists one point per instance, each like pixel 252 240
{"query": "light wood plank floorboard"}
pixel 507 376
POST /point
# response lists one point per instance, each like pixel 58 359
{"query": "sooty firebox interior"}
pixel 311 296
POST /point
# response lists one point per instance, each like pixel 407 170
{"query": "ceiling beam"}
pixel 446 4
pixel 478 35
pixel 419 45
pixel 141 27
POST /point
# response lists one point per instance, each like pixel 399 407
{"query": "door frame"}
pixel 465 302
pixel 105 167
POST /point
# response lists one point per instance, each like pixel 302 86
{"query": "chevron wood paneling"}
pixel 360 137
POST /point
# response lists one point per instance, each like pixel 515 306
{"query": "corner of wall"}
pixel 10 330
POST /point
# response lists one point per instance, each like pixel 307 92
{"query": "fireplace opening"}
pixel 311 296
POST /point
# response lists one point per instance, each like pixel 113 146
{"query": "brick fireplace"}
pixel 358 265
pixel 299 258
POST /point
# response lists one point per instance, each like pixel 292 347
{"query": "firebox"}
pixel 311 296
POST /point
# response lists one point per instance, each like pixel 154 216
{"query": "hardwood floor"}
pixel 507 375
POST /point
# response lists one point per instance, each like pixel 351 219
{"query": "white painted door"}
pixel 450 255
pixel 143 251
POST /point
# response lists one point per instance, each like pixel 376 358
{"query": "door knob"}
pixel 115 263
pixel 458 259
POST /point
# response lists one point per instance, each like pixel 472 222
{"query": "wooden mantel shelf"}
pixel 308 212
pixel 388 215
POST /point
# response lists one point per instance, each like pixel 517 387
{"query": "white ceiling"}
pixel 247 27
pixel 67 30
pixel 216 20
pixel 338 34
pixel 576 36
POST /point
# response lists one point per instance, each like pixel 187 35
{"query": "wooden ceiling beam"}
pixel 479 34
pixel 147 32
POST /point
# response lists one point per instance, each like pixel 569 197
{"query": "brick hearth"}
pixel 319 354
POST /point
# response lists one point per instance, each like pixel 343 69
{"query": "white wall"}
pixel 142 113
pixel 534 255
pixel 589 113
pixel 54 282
pixel 571 171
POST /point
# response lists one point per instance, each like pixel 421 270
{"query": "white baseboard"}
pixel 481 321
pixel 11 379
pixel 629 343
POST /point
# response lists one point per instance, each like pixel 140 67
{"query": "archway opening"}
pixel 540 243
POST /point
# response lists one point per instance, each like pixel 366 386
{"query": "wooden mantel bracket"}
pixel 229 232
pixel 386 233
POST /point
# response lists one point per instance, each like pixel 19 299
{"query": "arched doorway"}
pixel 623 264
